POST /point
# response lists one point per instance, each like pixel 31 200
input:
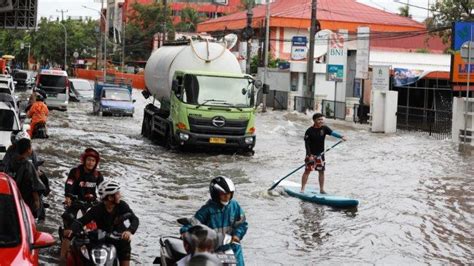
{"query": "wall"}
pixel 138 81
pixel 278 80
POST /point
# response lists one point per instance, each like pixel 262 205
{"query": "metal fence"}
pixel 334 109
pixel 303 103
pixel 278 100
pixel 361 113
pixel 435 123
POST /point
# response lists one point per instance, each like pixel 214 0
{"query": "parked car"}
pixel 56 85
pixel 9 122
pixel 19 238
pixel 9 99
pixel 81 90
pixel 6 81
pixel 24 79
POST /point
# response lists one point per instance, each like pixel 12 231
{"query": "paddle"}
pixel 283 178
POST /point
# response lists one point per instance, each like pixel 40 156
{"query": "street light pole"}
pixel 65 46
pixel 267 40
pixel 105 39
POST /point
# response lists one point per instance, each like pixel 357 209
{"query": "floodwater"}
pixel 416 194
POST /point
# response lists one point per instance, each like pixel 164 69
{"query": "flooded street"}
pixel 416 194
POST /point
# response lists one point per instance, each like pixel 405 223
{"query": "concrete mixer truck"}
pixel 200 97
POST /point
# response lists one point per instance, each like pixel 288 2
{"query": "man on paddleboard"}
pixel 314 144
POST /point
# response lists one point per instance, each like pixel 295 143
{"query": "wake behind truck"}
pixel 200 97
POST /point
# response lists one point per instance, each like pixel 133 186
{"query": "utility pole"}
pixel 267 45
pixel 165 16
pixel 312 32
pixel 250 29
pixel 62 11
pixel 123 45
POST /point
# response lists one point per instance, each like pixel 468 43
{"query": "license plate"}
pixel 217 140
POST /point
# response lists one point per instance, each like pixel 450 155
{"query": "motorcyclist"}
pixel 106 214
pixel 81 185
pixel 9 161
pixel 38 111
pixel 197 240
pixel 223 214
pixel 82 181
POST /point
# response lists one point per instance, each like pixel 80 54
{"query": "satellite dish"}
pixel 321 40
pixel 231 40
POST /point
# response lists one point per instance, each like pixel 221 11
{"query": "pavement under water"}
pixel 415 193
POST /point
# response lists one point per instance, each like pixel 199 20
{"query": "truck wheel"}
pixel 145 126
pixel 170 142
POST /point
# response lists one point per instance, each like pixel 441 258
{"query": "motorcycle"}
pixel 40 131
pixel 172 248
pixel 94 247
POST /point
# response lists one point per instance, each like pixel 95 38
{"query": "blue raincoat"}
pixel 228 219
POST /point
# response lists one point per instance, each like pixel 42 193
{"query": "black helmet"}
pixel 221 184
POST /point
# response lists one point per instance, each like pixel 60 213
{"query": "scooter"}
pixel 172 247
pixel 40 131
pixel 94 247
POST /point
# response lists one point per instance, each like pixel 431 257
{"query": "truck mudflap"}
pixel 186 138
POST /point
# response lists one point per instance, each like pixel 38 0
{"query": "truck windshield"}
pixel 116 95
pixel 219 91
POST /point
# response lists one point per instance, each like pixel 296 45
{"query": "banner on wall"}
pixel 463 32
pixel 405 76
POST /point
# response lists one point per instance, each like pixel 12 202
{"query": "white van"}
pixel 56 85
pixel 9 123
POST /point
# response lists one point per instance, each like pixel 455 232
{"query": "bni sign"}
pixel 336 57
pixel 298 47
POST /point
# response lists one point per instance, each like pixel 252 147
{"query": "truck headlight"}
pixel 183 136
pixel 248 140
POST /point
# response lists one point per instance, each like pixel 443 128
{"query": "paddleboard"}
pixel 312 195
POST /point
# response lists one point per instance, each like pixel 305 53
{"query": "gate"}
pixel 303 103
pixel 334 109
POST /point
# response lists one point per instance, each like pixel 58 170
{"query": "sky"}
pixel 47 8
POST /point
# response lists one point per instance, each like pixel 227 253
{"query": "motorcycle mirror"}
pixel 184 221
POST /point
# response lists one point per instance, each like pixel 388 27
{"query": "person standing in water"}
pixel 314 144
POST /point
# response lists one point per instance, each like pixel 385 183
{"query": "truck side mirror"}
pixel 266 89
pixel 146 94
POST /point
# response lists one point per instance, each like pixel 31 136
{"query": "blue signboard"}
pixel 463 31
pixel 299 41
pixel 335 72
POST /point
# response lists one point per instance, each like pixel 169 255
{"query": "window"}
pixel 7 120
pixel 116 95
pixel 9 224
pixel 51 83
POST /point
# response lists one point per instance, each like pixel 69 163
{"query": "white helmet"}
pixel 22 135
pixel 108 187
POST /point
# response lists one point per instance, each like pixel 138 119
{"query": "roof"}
pixel 415 61
pixel 53 72
pixel 332 14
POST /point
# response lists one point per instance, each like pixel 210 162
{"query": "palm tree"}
pixel 189 20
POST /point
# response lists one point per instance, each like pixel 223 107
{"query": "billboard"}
pixel 381 78
pixel 298 47
pixel 462 32
pixel 22 16
pixel 337 57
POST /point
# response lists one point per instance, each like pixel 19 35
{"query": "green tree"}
pixel 189 20
pixel 448 11
pixel 404 11
pixel 144 22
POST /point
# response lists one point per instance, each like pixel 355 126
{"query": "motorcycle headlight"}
pixel 99 256
pixel 84 252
